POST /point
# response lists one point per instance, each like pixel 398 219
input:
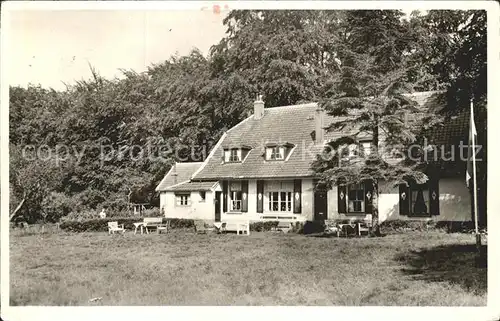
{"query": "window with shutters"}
pixel 183 199
pixel 279 196
pixel 280 201
pixel 419 199
pixel 356 198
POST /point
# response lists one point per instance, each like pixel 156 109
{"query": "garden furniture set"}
pixel 348 227
pixel 156 223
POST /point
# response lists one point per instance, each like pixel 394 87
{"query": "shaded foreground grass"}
pixel 182 268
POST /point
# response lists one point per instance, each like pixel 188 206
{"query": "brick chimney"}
pixel 174 172
pixel 258 108
pixel 319 131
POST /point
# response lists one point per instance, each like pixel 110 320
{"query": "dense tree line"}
pixel 116 138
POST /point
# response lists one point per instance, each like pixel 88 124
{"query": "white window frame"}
pixel 275 153
pixel 232 155
pixel 235 201
pixel 362 201
pixel 284 197
pixel 235 155
pixel 183 199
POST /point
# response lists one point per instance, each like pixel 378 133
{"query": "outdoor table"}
pixel 137 225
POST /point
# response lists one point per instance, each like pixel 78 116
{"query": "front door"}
pixel 320 205
pixel 217 206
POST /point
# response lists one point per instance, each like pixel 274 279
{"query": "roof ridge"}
pixel 312 104
pixel 190 163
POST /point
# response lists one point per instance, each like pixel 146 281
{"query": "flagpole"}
pixel 474 134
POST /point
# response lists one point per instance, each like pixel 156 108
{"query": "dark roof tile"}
pixel 288 124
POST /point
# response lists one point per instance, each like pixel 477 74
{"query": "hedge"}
pixel 263 226
pixel 399 226
pixel 101 225
pixel 309 227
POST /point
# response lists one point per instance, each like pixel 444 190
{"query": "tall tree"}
pixel 284 55
pixel 452 47
pixel 369 98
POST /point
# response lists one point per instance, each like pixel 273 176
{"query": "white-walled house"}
pixel 260 170
pixel 181 198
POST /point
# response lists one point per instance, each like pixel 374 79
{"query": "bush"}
pixel 58 205
pixel 152 212
pixel 95 224
pixel 399 226
pixel 180 223
pixel 83 215
pixel 311 227
pixel 263 226
pixel 87 214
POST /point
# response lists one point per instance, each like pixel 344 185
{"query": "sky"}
pixel 51 48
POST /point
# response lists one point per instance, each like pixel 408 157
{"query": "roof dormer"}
pixel 278 151
pixel 235 154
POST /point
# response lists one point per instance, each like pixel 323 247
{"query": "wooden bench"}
pixel 155 223
pixel 284 227
pixel 238 226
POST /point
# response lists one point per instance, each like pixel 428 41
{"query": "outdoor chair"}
pixel 163 227
pixel 365 225
pixel 114 227
pixel 222 228
pixel 331 226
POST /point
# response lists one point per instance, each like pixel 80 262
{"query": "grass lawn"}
pixel 181 268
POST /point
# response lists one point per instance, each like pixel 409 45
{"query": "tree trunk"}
pixel 375 223
pixel 17 209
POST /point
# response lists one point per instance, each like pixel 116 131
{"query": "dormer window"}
pixel 232 155
pixel 235 155
pixel 278 152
